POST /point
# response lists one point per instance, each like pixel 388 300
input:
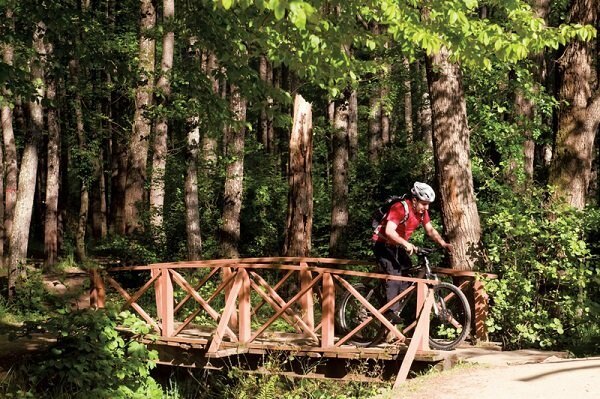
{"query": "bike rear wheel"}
pixel 450 319
pixel 351 313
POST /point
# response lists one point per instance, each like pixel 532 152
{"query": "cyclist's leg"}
pixel 387 258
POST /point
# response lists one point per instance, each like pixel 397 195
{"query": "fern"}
pixel 268 390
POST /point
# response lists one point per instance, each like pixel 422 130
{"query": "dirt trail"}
pixel 510 375
pixel 72 287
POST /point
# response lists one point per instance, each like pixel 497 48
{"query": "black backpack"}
pixel 383 210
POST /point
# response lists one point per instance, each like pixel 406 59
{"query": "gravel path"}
pixel 502 376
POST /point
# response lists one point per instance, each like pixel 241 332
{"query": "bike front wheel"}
pixel 351 313
pixel 450 319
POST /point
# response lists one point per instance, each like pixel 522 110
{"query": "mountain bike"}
pixel 450 318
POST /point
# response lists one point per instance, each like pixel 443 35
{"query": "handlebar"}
pixel 422 251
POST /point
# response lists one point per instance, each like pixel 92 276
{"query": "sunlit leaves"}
pixel 305 34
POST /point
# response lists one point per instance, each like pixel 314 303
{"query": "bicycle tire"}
pixel 450 319
pixel 351 313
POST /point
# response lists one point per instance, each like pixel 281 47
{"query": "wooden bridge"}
pixel 205 313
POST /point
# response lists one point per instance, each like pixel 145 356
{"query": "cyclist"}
pixel 392 247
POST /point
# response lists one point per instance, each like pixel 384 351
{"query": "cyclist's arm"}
pixel 435 236
pixel 394 238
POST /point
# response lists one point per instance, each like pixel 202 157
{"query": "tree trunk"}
pixel 300 197
pixel 339 195
pixel 408 119
pixel 80 254
pixel 99 207
pixel 353 124
pixel 375 140
pixel 234 176
pixel 525 108
pixel 19 238
pixel 52 177
pixel 387 136
pixel 452 160
pixel 118 185
pixel 192 213
pixel 579 114
pixel 116 152
pixel 266 134
pixel 2 168
pixel 138 144
pixel 209 142
pixel 159 159
pixel 424 109
pixel 10 150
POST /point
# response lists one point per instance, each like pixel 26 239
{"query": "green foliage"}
pixel 92 359
pixel 497 133
pixel 31 298
pixel 129 251
pixel 264 205
pixel 547 292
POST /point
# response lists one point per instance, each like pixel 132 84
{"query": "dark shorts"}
pixel 392 260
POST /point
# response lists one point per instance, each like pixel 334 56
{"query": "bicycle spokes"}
pixel 450 317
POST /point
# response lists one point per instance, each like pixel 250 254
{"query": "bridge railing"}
pixel 231 293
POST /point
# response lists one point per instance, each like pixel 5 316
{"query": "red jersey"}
pixel 396 215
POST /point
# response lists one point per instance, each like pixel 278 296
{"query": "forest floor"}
pixel 480 372
pixel 494 374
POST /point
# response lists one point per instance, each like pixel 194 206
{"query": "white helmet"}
pixel 423 192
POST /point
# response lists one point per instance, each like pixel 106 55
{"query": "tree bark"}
pixel 424 109
pixel 375 139
pixel 266 132
pixel 80 253
pixel 2 168
pixel 52 176
pixel 99 206
pixel 387 136
pixel 209 142
pixel 353 124
pixel 159 159
pixel 192 213
pixel 298 231
pixel 118 186
pixel 525 108
pixel 452 160
pixel 138 144
pixel 10 150
pixel 234 176
pixel 579 114
pixel 408 119
pixel 19 238
pixel 339 195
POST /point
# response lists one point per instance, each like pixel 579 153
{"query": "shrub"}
pixel 92 359
pixel 547 291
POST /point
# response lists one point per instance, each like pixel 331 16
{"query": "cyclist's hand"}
pixel 410 249
pixel 448 247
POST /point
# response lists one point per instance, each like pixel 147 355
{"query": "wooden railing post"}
pixel 328 310
pixel 226 273
pixel 166 303
pixel 480 310
pixel 422 292
pixel 420 334
pixel 245 327
pixel 97 290
pixel 307 301
pixel 158 295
